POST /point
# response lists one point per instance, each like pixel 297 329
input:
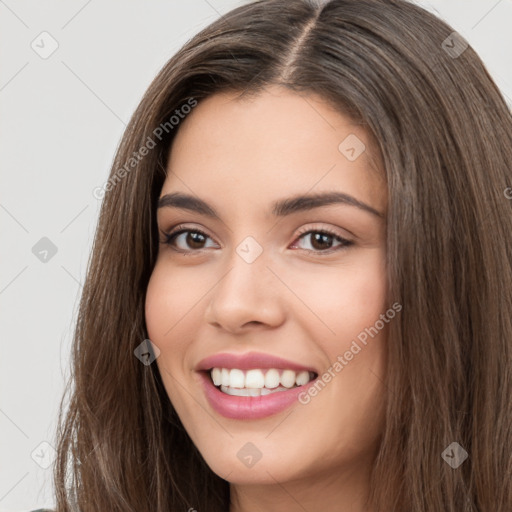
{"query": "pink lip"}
pixel 249 361
pixel 249 407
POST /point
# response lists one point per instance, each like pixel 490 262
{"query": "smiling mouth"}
pixel 258 382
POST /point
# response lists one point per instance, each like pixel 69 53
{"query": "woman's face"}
pixel 266 281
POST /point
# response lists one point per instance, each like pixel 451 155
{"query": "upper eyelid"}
pixel 344 232
pixel 182 227
pixel 317 226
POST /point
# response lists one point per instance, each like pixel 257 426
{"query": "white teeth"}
pixel 302 378
pixel 217 376
pixel 272 379
pixel 288 378
pixel 236 378
pixel 256 382
pixel 240 392
pixel 249 391
pixel 254 379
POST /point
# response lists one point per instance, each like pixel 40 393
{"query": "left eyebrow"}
pixel 280 208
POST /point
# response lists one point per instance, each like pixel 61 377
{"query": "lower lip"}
pixel 250 407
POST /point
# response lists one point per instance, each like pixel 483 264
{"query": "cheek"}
pixel 364 296
pixel 165 308
pixel 155 307
pixel 164 314
pixel 356 299
pixel 167 317
pixel 348 298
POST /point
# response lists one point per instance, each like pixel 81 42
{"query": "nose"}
pixel 246 295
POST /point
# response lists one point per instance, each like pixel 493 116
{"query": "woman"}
pixel 299 296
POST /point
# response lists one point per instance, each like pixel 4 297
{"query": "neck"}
pixel 344 492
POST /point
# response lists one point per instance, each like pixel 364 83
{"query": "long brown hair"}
pixel 444 133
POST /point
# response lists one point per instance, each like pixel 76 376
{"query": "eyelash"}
pixel 170 238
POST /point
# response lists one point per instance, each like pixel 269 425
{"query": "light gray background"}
pixel 61 119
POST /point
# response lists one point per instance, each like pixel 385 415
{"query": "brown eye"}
pixel 191 239
pixel 321 241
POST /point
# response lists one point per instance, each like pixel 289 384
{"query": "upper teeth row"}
pixel 236 378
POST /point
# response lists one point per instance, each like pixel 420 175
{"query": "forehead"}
pixel 267 145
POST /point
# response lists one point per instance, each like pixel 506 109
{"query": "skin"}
pixel 240 156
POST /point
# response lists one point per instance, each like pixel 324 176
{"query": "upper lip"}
pixel 250 360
